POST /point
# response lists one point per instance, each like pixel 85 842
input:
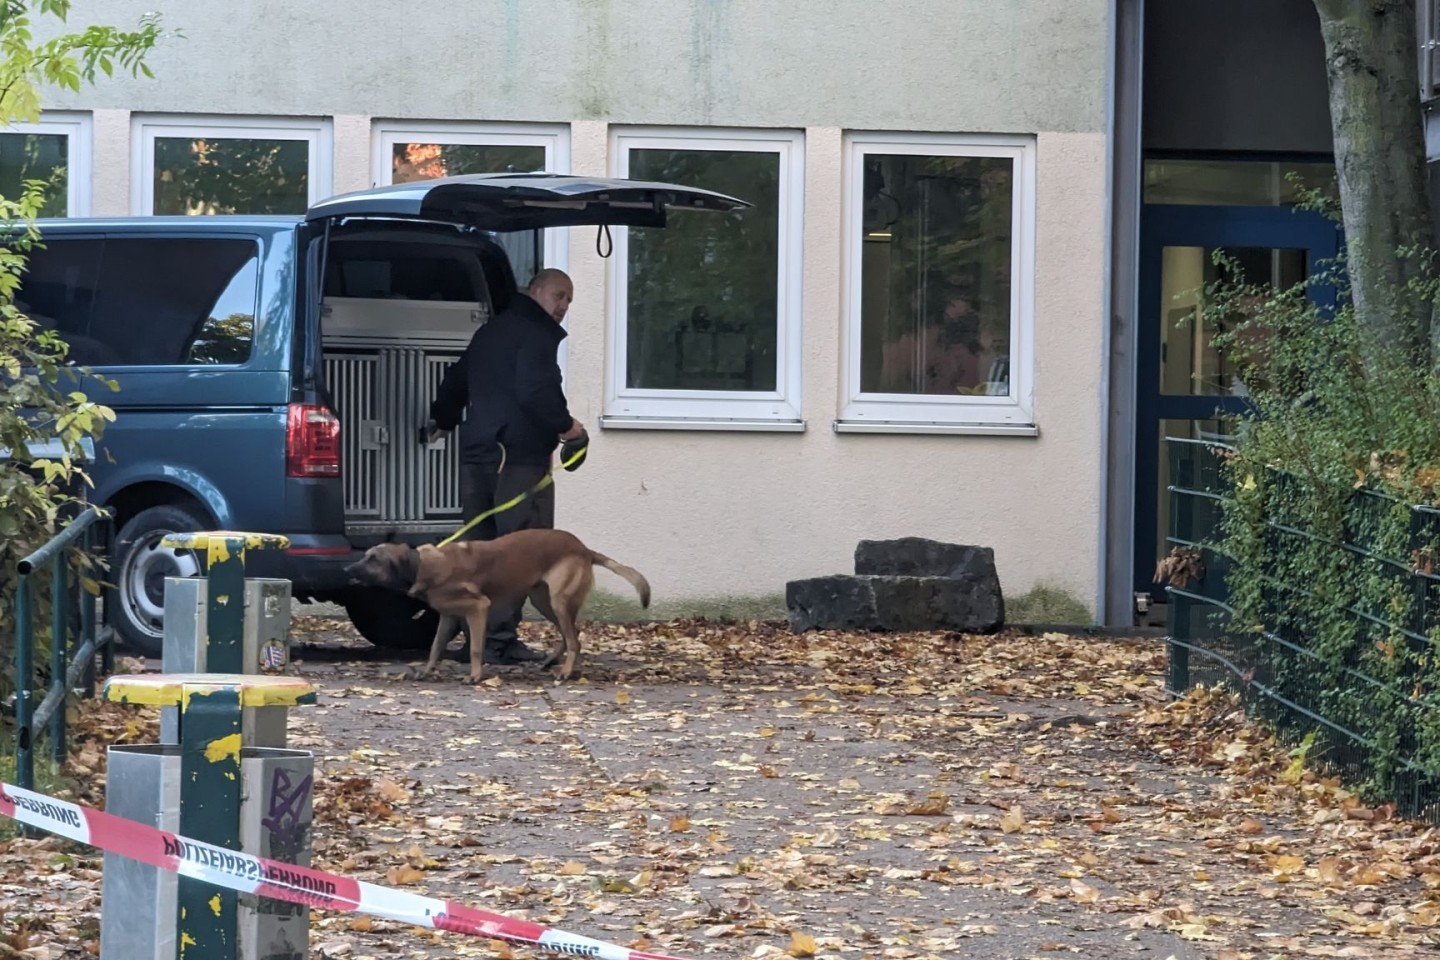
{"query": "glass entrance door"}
pixel 1186 387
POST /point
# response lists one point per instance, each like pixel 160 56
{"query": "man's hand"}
pixel 576 431
pixel 572 451
pixel 431 433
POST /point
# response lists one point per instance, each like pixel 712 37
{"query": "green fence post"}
pixel 107 659
pixel 1417 623
pixel 24 677
pixel 59 661
pixel 1181 523
pixel 87 616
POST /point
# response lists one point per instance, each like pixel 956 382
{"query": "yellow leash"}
pixel 516 500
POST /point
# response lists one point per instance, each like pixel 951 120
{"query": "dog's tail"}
pixel 636 578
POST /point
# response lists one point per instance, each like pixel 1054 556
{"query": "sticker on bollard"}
pixel 289 882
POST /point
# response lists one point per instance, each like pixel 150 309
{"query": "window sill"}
pixel 938 428
pixel 697 423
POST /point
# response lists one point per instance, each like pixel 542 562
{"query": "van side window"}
pixel 227 335
pixel 171 300
pixel 57 289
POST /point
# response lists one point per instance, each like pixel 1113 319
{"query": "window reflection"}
pixel 935 266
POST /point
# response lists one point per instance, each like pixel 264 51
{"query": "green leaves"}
pixel 1319 525
pixel 67 61
pixel 43 398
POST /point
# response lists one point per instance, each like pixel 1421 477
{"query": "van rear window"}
pixel 126 301
pixel 404 278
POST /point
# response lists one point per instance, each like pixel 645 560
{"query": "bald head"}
pixel 552 289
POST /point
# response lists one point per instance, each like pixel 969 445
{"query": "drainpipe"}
pixel 1102 580
pixel 1123 92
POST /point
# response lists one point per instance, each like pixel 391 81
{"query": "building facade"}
pixel 955 309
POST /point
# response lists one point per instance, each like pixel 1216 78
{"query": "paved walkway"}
pixel 740 792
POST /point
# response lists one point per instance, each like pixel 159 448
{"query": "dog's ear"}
pixel 391 534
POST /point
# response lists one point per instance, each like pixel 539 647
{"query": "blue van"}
pixel 274 372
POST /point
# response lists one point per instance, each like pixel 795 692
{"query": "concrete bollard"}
pixel 209 786
pixel 221 772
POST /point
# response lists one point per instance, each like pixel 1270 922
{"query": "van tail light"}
pixel 312 442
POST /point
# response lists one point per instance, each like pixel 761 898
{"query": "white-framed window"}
pixel 186 165
pixel 705 313
pixel 55 149
pixel 402 151
pixel 939 276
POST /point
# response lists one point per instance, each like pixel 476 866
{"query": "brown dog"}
pixel 463 580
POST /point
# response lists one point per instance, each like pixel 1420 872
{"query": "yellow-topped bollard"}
pixel 224 552
pixel 210 784
pixel 225 622
pixel 227 540
pixel 176 689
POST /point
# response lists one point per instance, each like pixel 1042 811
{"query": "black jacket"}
pixel 507 383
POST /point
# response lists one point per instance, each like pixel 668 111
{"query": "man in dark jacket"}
pixel 507 385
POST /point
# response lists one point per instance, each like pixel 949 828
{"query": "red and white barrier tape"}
pixel 285 881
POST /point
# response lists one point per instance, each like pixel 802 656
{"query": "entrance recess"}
pixel 1186 388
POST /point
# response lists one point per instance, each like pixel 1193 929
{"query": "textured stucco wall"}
pixel 707 513
pixel 979 65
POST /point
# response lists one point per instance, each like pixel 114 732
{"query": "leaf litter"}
pixel 734 790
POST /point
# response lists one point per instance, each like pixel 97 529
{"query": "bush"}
pixel 42 397
pixel 41 400
pixel 1330 509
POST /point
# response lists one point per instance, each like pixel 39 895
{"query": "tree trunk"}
pixel 1371 54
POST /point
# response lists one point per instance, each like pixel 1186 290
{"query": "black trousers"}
pixel 484 485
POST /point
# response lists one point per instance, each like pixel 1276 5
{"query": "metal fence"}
pixel 1273 663
pixel 74 642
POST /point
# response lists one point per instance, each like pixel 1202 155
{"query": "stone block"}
pixel 919 557
pixel 968 604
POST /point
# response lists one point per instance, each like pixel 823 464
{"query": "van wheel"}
pixel 388 619
pixel 139 568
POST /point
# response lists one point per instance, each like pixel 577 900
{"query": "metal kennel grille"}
pixel 392 480
pixel 441 464
pixel 352 380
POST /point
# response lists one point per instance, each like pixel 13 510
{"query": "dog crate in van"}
pixel 385 354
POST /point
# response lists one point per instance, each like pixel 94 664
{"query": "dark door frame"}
pixel 1171 225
